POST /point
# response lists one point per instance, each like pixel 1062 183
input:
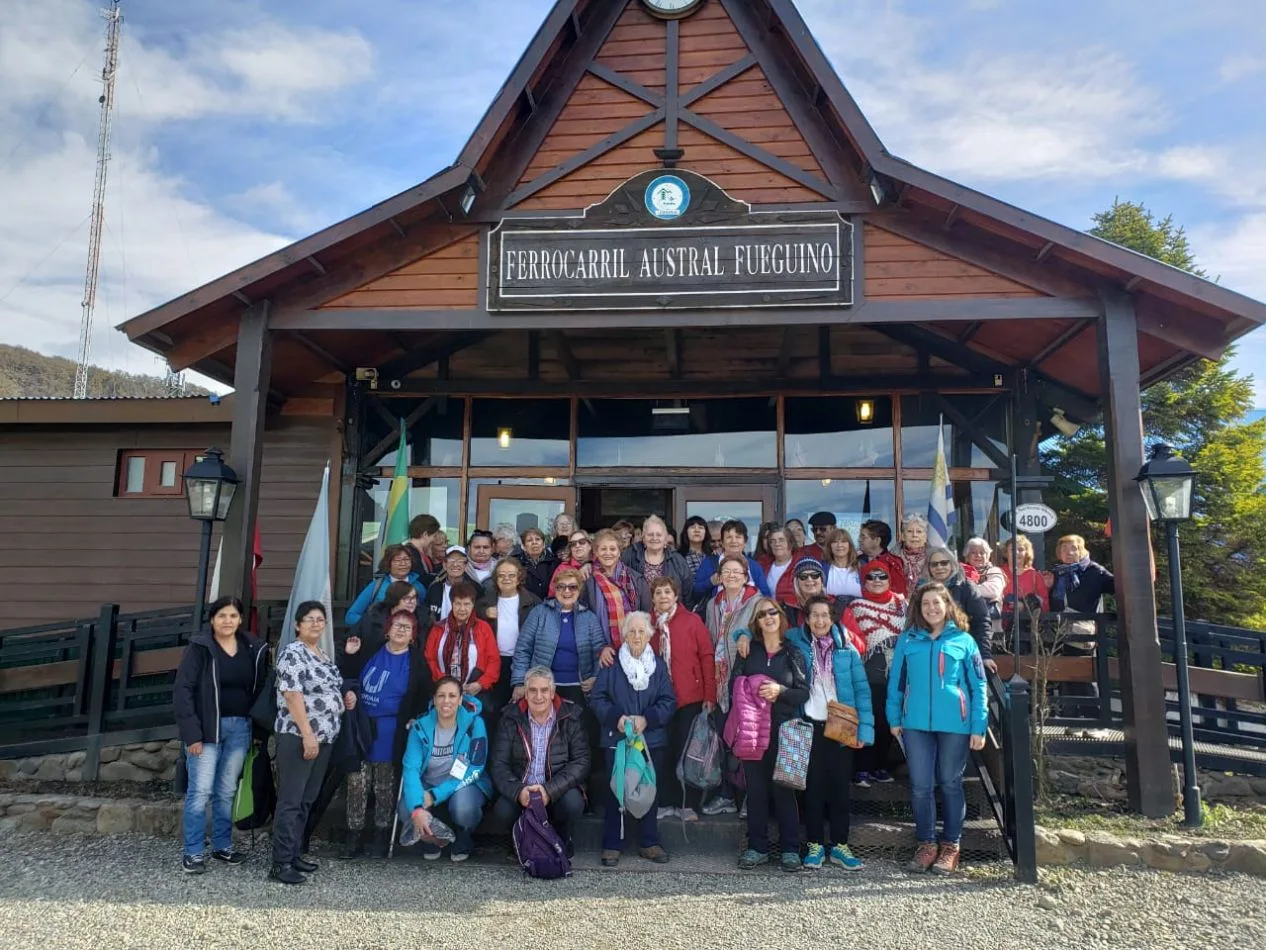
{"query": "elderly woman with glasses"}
pixel 943 568
pixel 873 622
pixel 990 579
pixel 505 604
pixel 635 690
pixel 395 684
pixel 786 689
pixel 310 703
pixel 395 565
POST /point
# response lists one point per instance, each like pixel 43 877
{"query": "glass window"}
pixel 698 433
pixel 167 475
pixel 428 496
pixel 751 513
pixel 852 501
pixel 919 418
pixel 434 438
pixel 513 510
pixel 135 481
pixel 825 432
pixel 977 506
pixel 521 432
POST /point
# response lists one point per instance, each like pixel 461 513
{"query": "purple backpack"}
pixel 537 845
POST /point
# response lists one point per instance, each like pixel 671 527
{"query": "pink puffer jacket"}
pixel 748 725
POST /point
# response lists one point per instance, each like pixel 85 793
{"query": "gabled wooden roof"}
pixel 1186 315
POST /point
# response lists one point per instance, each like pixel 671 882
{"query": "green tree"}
pixel 1200 411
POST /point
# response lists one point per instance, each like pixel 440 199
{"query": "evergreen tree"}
pixel 1201 412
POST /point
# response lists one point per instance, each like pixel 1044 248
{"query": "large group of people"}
pixel 473 678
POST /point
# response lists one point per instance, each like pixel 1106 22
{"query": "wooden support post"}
pixel 1147 769
pixel 1026 433
pixel 101 672
pixel 251 376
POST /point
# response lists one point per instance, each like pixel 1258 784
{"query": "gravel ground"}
pixel 66 893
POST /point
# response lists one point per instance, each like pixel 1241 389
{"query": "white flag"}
pixel 941 513
pixel 312 573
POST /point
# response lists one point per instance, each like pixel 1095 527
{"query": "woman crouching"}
pixel 937 709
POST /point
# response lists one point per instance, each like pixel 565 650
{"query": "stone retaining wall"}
pixel 1099 849
pixel 69 814
pixel 139 762
pixel 1104 779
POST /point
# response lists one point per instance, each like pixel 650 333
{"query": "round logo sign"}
pixel 1035 518
pixel 667 197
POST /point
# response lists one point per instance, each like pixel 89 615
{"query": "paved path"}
pixel 68 893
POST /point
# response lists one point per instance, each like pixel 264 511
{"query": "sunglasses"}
pixel 876 576
pixel 939 563
pixel 810 575
pixel 578 542
pixel 566 587
pixel 766 614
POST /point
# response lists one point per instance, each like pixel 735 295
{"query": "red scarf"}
pixel 875 621
pixel 455 650
pixel 665 638
pixel 619 593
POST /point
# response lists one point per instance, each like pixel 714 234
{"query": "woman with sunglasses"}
pixel 937 705
pixel 578 556
pixel 786 689
pixel 873 622
pixel 943 568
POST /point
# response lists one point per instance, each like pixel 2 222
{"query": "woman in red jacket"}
pixel 685 645
pixel 463 646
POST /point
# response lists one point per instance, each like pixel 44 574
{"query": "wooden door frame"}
pixel 564 493
pixel 766 494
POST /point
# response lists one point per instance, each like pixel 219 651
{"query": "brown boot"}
pixel 946 859
pixel 924 857
pixel 654 853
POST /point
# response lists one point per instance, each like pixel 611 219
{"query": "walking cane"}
pixel 395 819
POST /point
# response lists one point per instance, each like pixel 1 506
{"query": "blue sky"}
pixel 245 124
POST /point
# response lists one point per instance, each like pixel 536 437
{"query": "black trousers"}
pixel 672 793
pixel 498 697
pixel 826 789
pixel 761 790
pixel 298 784
pixel 562 813
pixel 599 778
pixel 876 756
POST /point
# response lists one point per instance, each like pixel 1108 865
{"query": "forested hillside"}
pixel 24 372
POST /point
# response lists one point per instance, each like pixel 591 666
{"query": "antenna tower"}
pixel 114 18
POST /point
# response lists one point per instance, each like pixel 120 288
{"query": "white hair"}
pixel 639 615
pixel 981 543
pixel 913 517
pixel 505 532
pixel 541 673
pixel 654 519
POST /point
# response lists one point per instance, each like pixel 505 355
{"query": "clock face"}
pixel 672 9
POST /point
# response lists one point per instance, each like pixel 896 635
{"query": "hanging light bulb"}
pixel 503 438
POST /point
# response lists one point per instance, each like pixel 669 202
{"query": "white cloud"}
pixel 1239 66
pixel 159 240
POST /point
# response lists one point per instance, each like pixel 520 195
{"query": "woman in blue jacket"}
pixel 444 767
pixel 638 690
pixel 836 674
pixel 937 710
pixel 395 565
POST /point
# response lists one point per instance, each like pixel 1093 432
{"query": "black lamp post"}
pixel 209 486
pixel 1167 481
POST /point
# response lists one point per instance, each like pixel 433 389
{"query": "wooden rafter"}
pixel 565 356
pixel 672 341
pixel 422 356
pixel 325 355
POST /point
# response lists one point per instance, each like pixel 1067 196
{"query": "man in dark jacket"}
pixel 540 747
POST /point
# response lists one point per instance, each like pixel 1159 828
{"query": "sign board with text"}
pixel 1035 518
pixel 671 239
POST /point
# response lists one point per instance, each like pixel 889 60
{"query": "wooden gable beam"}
pixel 329 358
pixel 388 255
pixel 389 441
pixel 565 356
pixel 422 356
pixel 620 81
pixel 756 153
pixel 717 80
pixel 206 341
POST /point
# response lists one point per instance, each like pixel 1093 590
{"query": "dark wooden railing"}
pixel 1005 767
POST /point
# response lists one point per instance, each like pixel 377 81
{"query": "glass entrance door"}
pixel 750 504
pixel 523 506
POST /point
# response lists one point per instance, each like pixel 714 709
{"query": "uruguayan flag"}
pixel 941 514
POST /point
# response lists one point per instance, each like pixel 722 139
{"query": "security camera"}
pixel 1065 425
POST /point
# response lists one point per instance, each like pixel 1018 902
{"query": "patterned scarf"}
pixel 822 647
pixel 876 621
pixel 914 562
pixel 455 649
pixel 619 593
pixel 665 640
pixel 1068 579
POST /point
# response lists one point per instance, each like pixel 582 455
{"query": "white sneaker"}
pixel 743 811
pixel 666 812
pixel 720 806
pixel 687 814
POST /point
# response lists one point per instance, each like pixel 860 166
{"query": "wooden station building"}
pixel 674 269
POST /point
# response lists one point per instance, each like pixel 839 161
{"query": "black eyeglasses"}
pixel 810 576
pixel 766 614
pixel 939 563
pixel 876 576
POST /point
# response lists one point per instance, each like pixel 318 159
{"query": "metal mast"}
pixel 114 16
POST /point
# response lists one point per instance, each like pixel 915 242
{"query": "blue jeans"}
pixel 213 777
pixel 462 811
pixel 937 760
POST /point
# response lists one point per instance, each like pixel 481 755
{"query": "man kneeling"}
pixel 541 746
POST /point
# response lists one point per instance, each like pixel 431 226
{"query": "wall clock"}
pixel 672 9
